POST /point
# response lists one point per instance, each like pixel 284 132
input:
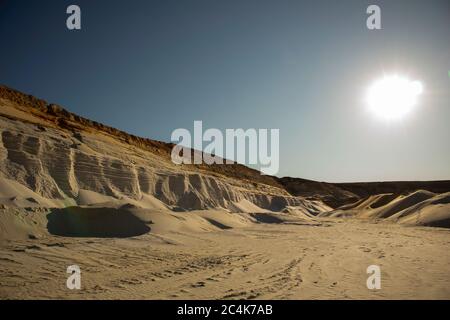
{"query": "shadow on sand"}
pixel 95 222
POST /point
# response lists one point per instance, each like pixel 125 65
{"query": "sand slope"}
pixel 421 208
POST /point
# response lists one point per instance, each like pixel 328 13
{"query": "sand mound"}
pixel 88 197
pixel 244 206
pixel 401 203
pixel 382 200
pixel 14 194
pixel 360 207
pixel 421 208
pixel 432 216
pixel 267 217
pixel 433 212
pixel 128 220
pixel 22 223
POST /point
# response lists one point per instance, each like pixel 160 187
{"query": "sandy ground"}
pixel 322 259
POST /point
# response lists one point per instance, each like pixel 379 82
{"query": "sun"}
pixel 392 97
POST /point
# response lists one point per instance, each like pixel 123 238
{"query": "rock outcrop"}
pixel 63 159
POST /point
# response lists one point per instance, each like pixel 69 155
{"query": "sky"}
pixel 304 67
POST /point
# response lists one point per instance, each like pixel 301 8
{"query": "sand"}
pixel 420 208
pixel 230 256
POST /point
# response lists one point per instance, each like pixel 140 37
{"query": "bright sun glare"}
pixel 392 97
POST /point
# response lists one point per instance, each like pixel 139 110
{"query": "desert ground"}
pixel 221 255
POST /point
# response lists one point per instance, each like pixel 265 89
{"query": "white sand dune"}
pixel 433 211
pixel 421 208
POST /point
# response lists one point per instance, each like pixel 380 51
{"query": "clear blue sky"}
pixel 149 67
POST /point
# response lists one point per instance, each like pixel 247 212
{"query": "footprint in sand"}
pixel 198 284
pixel 212 279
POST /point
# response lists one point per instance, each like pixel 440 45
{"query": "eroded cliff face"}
pixel 63 159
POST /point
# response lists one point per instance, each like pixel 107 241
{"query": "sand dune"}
pixel 422 208
pixel 434 211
